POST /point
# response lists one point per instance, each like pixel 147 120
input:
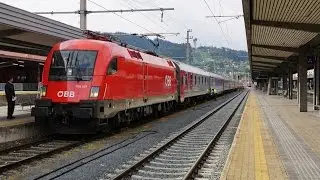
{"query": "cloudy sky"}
pixel 188 14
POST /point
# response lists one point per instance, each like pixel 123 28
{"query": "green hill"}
pixel 223 61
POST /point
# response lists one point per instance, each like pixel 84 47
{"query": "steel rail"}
pixel 183 132
pixel 191 172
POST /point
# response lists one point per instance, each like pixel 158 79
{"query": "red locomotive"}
pixel 90 84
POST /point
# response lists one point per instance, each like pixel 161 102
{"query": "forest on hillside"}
pixel 224 61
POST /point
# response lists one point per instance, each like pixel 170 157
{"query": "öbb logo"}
pixel 65 94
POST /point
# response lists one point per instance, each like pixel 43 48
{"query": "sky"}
pixel 187 14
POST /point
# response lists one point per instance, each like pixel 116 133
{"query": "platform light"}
pixel 21 61
pixel 15 64
pixel 21 65
pixel 41 64
pixel 94 92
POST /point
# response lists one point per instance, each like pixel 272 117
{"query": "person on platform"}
pixel 11 98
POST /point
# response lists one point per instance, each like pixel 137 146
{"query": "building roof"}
pixel 278 31
pixel 25 32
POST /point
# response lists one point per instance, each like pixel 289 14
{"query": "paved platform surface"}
pixel 22 114
pixel 275 141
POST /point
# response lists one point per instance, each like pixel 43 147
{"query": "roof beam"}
pixel 26 44
pixel 263 64
pixel 281 48
pixel 10 32
pixel 261 68
pixel 271 57
pixel 289 25
pixel 24 50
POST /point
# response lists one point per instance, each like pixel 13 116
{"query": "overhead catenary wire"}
pixel 154 5
pixel 142 4
pixel 121 16
pixel 205 1
pixel 131 5
pixel 173 20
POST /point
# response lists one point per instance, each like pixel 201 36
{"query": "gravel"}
pixel 123 146
pixel 200 136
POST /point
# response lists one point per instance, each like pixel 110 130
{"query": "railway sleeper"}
pixel 160 174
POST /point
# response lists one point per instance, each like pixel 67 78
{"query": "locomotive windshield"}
pixel 72 65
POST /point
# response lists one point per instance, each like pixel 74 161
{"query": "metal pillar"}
pixel 265 87
pixel 290 84
pixel 269 86
pixel 316 84
pixel 188 46
pixel 298 80
pixel 302 78
pixel 83 14
pixel 276 86
pixel 284 85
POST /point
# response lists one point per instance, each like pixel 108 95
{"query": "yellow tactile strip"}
pixel 253 154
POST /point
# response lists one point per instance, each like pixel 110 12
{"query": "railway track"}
pixel 17 156
pixel 187 153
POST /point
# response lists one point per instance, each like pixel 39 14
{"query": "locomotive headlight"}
pixel 94 92
pixel 43 91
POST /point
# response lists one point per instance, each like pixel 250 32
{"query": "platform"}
pixel 275 141
pixel 20 128
pixel 19 111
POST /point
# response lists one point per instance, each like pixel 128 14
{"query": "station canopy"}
pixel 24 32
pixel 278 31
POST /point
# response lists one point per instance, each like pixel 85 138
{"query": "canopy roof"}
pixel 278 31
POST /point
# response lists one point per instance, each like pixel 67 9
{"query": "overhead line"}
pixel 121 16
pixel 217 21
pixel 131 5
pixel 152 14
pixel 173 19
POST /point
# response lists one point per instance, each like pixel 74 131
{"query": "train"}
pixel 93 84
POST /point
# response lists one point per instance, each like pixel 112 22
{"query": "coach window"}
pixel 113 66
pixel 195 79
pixel 186 80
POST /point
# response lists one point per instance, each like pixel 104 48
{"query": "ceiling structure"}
pixel 24 32
pixel 278 31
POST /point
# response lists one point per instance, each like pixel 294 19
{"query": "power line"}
pixel 131 5
pixel 152 14
pixel 106 11
pixel 121 16
pixel 229 19
pixel 173 19
pixel 216 21
pixel 225 16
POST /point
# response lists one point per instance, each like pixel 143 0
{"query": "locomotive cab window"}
pixel 113 66
pixel 72 65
